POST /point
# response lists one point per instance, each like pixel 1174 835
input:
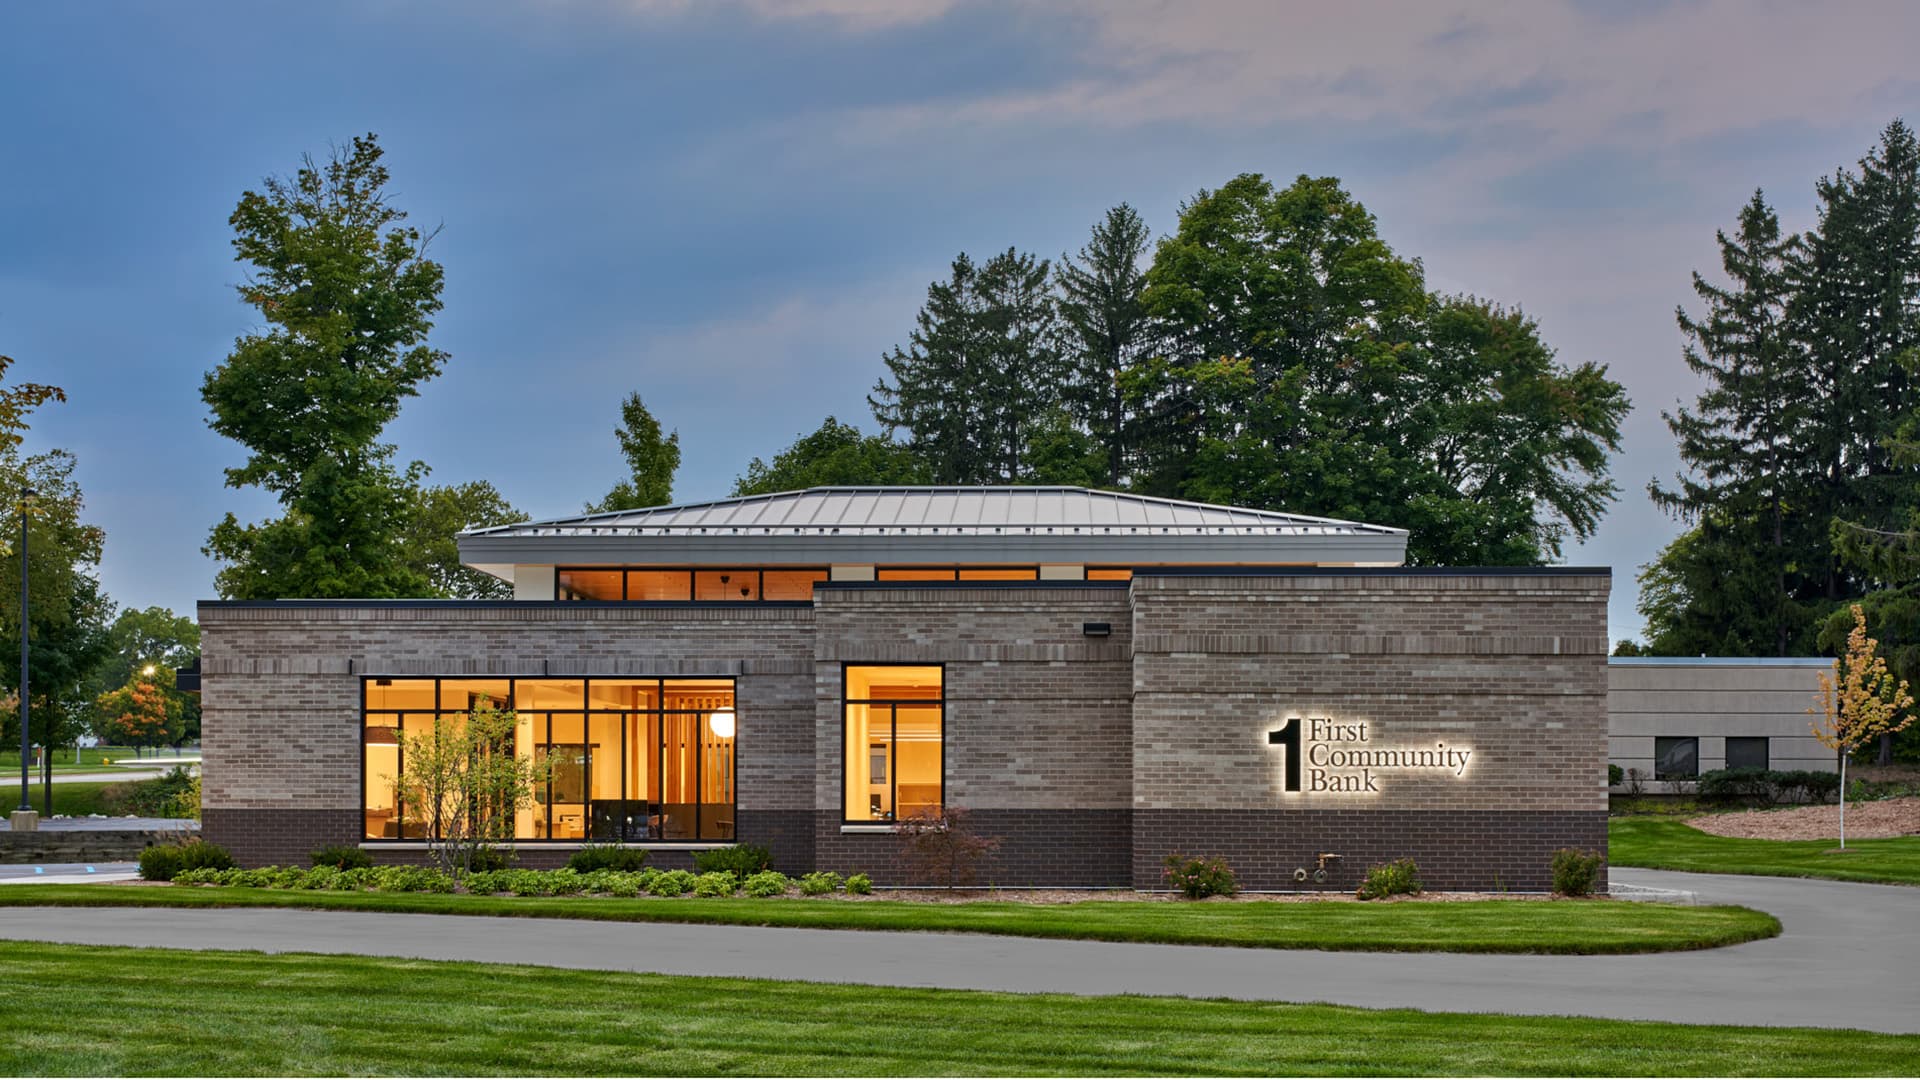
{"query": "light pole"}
pixel 26 739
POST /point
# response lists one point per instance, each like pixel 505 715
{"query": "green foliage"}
pixel 1105 316
pixel 435 515
pixel 859 884
pixel 1199 878
pixel 342 856
pixel 493 857
pixel 835 454
pixel 1765 787
pixel 672 883
pixel 158 797
pixel 765 883
pixel 462 782
pixel 607 857
pixel 1615 775
pixel 819 882
pixel 1397 878
pixel 651 461
pixel 983 368
pixel 348 298
pixel 716 883
pixel 1309 369
pixel 162 862
pixel 1576 871
pixel 743 860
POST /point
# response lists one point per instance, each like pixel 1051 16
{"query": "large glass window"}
pixel 707 585
pixel 1676 758
pixel 894 742
pixel 622 759
pixel 957 573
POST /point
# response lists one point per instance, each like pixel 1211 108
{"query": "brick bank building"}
pixel 1101 679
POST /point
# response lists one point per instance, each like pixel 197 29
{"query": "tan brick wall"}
pixel 1512 667
pixel 281 684
pixel 1037 712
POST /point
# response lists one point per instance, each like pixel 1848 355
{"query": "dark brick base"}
pixel 1456 849
pixel 1038 848
pixel 278 837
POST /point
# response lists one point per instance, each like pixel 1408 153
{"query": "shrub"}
pixel 1200 878
pixel 193 877
pixel 342 857
pixel 765 883
pixel 607 857
pixel 1615 774
pixel 613 882
pixel 819 883
pixel 1748 785
pixel 1397 878
pixel 488 857
pixel 160 862
pixel 487 882
pixel 159 797
pixel 941 848
pixel 715 883
pixel 421 879
pixel 320 877
pixel 672 883
pixel 1575 871
pixel 741 860
pixel 860 884
pixel 528 883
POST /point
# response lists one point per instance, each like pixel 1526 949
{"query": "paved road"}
pixel 1846 959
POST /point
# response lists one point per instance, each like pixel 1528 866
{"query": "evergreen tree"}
pixel 1738 443
pixel 1109 331
pixel 348 296
pixel 652 459
pixel 982 374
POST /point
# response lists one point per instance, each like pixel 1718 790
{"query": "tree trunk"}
pixel 1885 757
pixel 1843 800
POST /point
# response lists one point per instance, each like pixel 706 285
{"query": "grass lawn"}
pixel 1671 845
pixel 116 1011
pixel 1489 926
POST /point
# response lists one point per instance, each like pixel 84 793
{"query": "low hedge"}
pixel 563 882
pixel 1765 787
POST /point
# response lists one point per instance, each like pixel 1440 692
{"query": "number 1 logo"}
pixel 1288 735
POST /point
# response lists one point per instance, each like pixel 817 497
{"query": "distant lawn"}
pixel 1672 845
pixel 117 1012
pixel 75 799
pixel 1488 926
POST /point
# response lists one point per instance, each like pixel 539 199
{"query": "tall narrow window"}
pixel 894 734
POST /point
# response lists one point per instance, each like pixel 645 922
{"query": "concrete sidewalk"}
pixel 1846 958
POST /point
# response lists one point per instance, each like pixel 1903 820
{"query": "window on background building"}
pixel 1747 752
pixel 894 729
pixel 1676 758
pixel 624 759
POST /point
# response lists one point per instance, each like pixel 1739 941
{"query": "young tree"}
pixel 940 847
pixel 441 512
pixel 834 454
pixel 1108 330
pixel 1858 703
pixel 138 714
pixel 348 296
pixel 463 781
pixel 1739 440
pixel 651 461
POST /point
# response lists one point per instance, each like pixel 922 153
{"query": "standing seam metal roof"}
pixel 938 511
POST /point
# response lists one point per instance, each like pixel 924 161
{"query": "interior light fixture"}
pixel 721 723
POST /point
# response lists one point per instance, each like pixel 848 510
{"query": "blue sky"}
pixel 735 208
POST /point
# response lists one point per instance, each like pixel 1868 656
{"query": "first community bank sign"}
pixel 1335 756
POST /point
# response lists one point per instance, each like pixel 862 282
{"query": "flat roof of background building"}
pixel 936 525
pixel 1722 661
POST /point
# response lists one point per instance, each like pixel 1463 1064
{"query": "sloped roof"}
pixel 937 525
pixel 948 510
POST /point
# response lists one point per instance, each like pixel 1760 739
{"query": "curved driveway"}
pixel 1847 957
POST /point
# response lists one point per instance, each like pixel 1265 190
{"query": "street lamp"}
pixel 26 740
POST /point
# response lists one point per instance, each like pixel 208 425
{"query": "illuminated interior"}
pixel 621 759
pixel 895 757
pixel 775 584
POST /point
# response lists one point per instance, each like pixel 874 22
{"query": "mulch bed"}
pixel 1865 821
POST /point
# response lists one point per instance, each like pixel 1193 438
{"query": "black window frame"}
pixel 1765 746
pixel 894 724
pixel 545 741
pixel 1657 755
pixel 693 584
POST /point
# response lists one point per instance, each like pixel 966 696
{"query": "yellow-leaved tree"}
pixel 1858 703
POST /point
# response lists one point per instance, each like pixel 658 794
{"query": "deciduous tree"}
pixel 348 296
pixel 1859 701
pixel 652 459
pixel 438 514
pixel 833 454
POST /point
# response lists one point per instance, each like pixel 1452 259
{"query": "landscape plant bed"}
pixel 1470 926
pixel 1673 845
pixel 1877 820
pixel 303 1015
